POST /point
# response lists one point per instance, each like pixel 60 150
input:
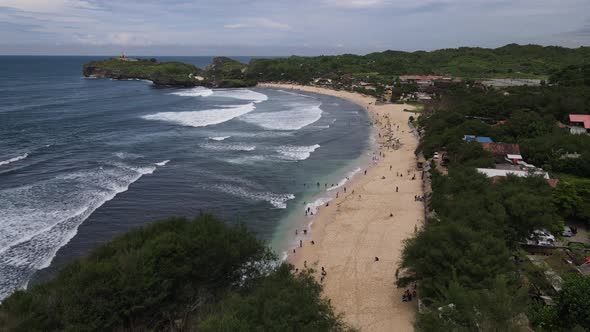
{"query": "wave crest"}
pixel 295 118
pixel 11 160
pixel 279 201
pixel 202 118
pixel 296 153
pixel 194 92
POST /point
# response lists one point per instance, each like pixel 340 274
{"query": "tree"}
pixel 573 304
pixel 281 302
pixel 143 280
pixel 447 252
pixel 498 308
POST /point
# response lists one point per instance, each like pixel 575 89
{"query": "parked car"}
pixel 436 156
pixel 541 237
pixel 567 232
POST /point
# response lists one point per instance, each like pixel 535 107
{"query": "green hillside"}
pixel 508 61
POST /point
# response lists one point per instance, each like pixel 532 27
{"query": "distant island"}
pixel 376 70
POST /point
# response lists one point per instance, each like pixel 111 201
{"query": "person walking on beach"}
pixel 396 189
pixel 300 243
pixel 365 172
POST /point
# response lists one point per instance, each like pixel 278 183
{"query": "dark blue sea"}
pixel 84 160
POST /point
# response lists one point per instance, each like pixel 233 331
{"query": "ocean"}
pixel 84 160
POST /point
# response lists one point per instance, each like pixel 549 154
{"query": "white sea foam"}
pixel 291 152
pixel 162 163
pixel 279 201
pixel 39 219
pixel 242 94
pixel 295 118
pixel 194 92
pixel 319 202
pixel 228 147
pixel 11 160
pixel 246 160
pixel 346 179
pixel 127 155
pixel 202 118
pixel 218 138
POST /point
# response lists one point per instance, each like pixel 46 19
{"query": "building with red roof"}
pixel 579 123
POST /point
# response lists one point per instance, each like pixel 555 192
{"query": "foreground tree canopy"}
pixel 174 275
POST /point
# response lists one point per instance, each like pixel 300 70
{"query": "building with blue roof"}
pixel 479 139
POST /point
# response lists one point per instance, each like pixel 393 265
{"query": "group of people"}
pixel 418 198
pixel 407 296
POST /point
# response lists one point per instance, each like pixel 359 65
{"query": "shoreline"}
pixel 357 285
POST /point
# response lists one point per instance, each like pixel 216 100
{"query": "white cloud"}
pixel 47 6
pixel 259 22
pixel 356 3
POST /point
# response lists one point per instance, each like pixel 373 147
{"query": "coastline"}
pixel 356 228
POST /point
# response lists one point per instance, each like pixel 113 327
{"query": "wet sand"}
pixel 358 226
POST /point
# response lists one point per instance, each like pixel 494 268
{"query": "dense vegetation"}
pixel 467 260
pixel 508 61
pixel 382 68
pixel 174 275
pixel 172 73
pixel 223 72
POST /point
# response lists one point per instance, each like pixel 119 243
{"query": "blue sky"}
pixel 283 27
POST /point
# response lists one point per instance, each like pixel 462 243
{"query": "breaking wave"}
pixel 291 152
pixel 162 163
pixel 242 94
pixel 346 179
pixel 295 118
pixel 39 219
pixel 194 92
pixel 11 160
pixel 279 201
pixel 202 118
pixel 218 138
pixel 228 147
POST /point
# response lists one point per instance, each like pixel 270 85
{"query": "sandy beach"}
pixel 369 221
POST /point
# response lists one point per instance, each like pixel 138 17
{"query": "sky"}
pixel 284 27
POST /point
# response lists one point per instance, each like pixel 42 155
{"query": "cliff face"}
pixel 222 73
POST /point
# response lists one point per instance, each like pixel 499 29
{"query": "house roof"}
pixel 501 149
pixel 493 172
pixel 584 118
